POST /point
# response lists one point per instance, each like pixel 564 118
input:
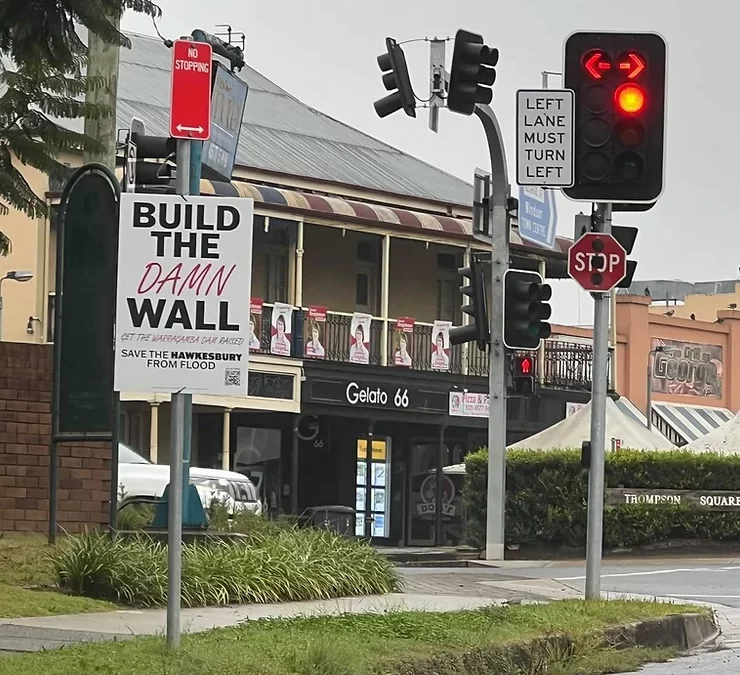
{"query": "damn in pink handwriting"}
pixel 200 278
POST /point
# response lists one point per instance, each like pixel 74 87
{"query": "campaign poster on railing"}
pixel 281 329
pixel 359 338
pixel 314 333
pixel 403 334
pixel 255 324
pixel 441 345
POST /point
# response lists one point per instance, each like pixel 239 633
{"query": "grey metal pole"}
pixel 177 446
pixel 649 406
pixel 500 192
pixel 174 521
pixel 600 382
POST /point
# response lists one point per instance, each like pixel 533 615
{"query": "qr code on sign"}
pixel 233 377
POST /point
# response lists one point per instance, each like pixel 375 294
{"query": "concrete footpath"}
pixel 444 591
pixel 432 590
pixel 52 632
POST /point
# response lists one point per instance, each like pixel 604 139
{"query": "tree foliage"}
pixel 46 30
pixel 42 88
pixel 32 99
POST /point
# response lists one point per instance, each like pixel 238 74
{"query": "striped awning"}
pixel 634 413
pixel 364 213
pixel 691 421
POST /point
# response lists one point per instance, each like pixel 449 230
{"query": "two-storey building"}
pixel 355 396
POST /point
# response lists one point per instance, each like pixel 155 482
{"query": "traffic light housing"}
pixel 395 77
pixel 619 80
pixel 522 376
pixel 477 309
pixel 154 147
pixel 626 236
pixel 526 309
pixel 472 73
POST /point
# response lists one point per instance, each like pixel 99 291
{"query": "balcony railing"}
pixel 566 365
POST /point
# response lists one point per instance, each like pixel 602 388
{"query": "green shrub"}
pixel 547 493
pixel 275 566
pixel 135 516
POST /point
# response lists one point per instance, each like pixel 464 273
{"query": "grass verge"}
pixel 280 565
pixel 394 643
pixel 27 586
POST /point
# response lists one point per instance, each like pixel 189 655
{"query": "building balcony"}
pixel 559 364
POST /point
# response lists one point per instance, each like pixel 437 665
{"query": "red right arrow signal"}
pixel 633 64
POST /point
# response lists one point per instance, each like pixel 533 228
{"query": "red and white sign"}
pixel 190 91
pixel 597 262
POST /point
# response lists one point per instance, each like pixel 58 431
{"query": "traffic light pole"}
pixel 499 219
pixel 600 382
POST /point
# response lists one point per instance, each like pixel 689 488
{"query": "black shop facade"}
pixel 387 443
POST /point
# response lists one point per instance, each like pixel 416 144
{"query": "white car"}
pixel 138 477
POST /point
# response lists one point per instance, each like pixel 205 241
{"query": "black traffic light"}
pixel 619 80
pixel 395 77
pixel 478 329
pixel 526 309
pixel 472 73
pixel 522 376
pixel 154 147
pixel 626 237
pixel 232 53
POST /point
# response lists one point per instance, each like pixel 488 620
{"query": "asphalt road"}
pixel 707 582
pixel 726 662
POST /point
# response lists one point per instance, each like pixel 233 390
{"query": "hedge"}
pixel 547 493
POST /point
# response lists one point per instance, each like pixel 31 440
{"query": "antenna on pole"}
pixel 439 80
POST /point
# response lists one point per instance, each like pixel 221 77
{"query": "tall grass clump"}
pixel 269 566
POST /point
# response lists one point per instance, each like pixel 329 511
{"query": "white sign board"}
pixel 544 137
pixel 465 404
pixel 182 311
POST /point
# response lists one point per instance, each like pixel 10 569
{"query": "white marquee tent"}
pixel 621 431
pixel 724 440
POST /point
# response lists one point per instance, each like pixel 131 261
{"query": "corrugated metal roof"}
pixel 279 133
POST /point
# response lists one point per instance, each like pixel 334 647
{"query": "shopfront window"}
pixel 372 488
pixel 257 456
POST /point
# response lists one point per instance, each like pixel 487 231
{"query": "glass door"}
pixel 422 493
pixel 372 488
pixel 423 504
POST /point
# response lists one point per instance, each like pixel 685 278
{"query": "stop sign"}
pixel 597 262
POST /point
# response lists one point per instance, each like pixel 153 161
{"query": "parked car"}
pixel 138 477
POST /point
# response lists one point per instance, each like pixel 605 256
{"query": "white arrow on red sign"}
pixel 190 96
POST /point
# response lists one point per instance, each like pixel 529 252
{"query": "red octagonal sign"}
pixel 597 262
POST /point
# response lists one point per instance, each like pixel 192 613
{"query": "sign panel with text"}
pixel 185 267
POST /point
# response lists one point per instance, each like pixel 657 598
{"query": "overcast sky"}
pixel 324 53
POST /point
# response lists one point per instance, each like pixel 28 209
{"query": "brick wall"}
pixel 25 437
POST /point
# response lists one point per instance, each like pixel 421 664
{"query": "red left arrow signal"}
pixel 596 63
pixel 632 64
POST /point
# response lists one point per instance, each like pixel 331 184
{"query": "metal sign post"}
pixel 190 118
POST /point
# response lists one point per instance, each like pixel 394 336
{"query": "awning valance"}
pixel 308 204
